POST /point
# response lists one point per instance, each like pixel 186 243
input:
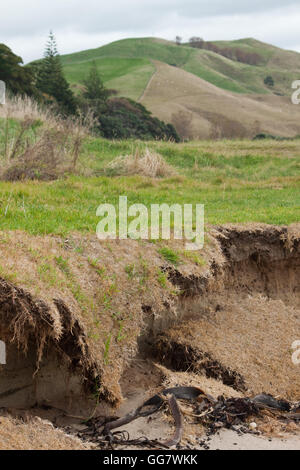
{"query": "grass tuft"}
pixel 148 163
pixel 169 255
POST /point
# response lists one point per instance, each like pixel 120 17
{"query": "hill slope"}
pixel 222 72
pixel 128 66
pixel 199 109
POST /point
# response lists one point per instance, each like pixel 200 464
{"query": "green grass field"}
pixel 238 181
pixel 128 76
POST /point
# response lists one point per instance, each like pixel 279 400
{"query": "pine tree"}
pixel 95 93
pixel 94 88
pixel 51 81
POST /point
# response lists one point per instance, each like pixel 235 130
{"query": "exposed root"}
pixel 25 320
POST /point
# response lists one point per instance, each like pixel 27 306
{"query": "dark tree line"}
pixel 45 81
pixel 18 79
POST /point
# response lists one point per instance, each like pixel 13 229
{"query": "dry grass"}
pixel 112 288
pixel 183 123
pixel 104 286
pixel 216 113
pixel 252 336
pixel 38 144
pixel 209 386
pixel 22 107
pixel 35 434
pixel 147 163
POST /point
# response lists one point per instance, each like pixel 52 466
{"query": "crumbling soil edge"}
pixel 256 260
pixel 241 257
pixel 27 320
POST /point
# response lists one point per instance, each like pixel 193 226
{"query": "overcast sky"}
pixel 85 24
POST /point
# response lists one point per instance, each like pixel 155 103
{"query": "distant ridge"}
pixel 128 65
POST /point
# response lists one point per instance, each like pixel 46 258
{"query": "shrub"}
pixel 269 81
pixel 124 118
pixel 39 146
pixel 148 163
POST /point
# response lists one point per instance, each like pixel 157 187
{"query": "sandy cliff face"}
pixel 234 318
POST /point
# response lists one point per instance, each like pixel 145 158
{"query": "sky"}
pixel 80 25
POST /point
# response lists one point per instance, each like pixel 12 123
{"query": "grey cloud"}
pixel 91 23
pixel 33 16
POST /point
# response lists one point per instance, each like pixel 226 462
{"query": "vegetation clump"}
pixel 121 118
pixel 269 81
pixel 169 255
pixel 17 78
pixel 148 163
pixel 42 148
pixel 125 118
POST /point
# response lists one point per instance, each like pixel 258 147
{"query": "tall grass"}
pixel 19 107
pixel 36 143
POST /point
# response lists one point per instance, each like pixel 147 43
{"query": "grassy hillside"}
pixel 128 76
pixel 200 110
pixel 214 68
pixel 204 86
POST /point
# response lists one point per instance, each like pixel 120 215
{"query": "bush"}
pixel 262 136
pixel 269 81
pixel 147 164
pixel 121 118
pixel 124 118
pixel 39 146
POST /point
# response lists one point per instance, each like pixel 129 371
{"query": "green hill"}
pixel 127 75
pixel 126 65
pixel 202 92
